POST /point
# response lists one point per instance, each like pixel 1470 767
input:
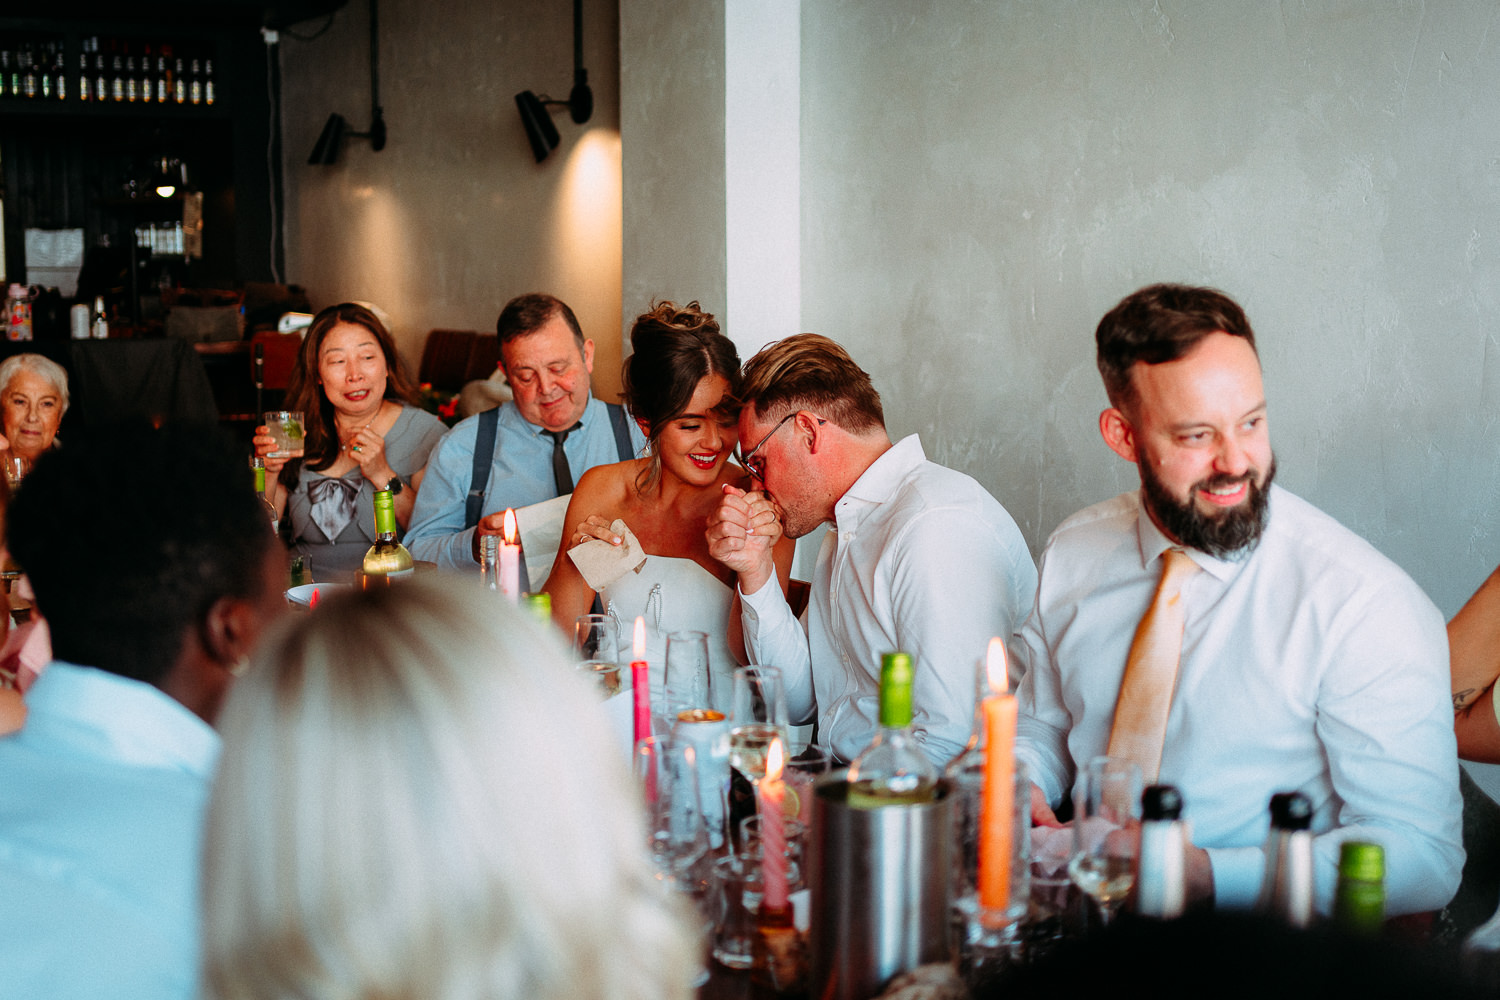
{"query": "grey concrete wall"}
pixel 672 121
pixel 982 181
pixel 454 216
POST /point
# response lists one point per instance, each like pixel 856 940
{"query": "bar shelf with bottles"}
pixel 51 72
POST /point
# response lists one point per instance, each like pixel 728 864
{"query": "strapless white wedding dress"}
pixel 674 595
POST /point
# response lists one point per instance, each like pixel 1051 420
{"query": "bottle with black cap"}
pixel 1286 892
pixel 1161 881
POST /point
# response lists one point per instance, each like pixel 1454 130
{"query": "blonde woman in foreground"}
pixel 409 804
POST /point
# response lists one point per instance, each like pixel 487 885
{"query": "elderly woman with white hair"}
pixel 33 399
pixel 409 804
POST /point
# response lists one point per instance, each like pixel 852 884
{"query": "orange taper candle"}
pixel 996 821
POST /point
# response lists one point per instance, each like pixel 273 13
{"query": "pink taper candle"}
pixel 995 811
pixel 510 559
pixel 772 831
pixel 640 682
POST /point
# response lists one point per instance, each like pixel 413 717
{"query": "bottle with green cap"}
pixel 540 606
pixel 267 507
pixel 387 561
pixel 893 770
pixel 1359 901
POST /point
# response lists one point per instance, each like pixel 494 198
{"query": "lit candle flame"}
pixel 994 660
pixel 510 526
pixel 639 646
pixel 773 760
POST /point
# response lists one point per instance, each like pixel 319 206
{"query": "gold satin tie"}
pixel 1140 727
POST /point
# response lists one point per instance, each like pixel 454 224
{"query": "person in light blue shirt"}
pixel 155 598
pixel 544 439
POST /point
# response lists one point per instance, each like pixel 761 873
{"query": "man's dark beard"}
pixel 1234 531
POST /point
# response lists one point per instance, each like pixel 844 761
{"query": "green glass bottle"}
pixel 893 770
pixel 1359 901
pixel 267 507
pixel 387 561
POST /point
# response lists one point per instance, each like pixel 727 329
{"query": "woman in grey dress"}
pixel 363 433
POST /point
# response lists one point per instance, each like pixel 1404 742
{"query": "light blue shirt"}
pixel 920 559
pixel 102 796
pixel 1313 665
pixel 520 475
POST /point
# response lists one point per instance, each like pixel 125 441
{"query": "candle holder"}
pixel 988 940
pixel 781 961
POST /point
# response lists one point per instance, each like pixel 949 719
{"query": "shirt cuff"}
pixel 758 603
pixel 1237 876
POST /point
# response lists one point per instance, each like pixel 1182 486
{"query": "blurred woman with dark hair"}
pixel 364 433
pixel 681 386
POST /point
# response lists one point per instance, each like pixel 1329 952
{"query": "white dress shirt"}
pixel 920 559
pixel 102 795
pixel 1313 665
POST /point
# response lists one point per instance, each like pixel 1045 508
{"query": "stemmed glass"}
pixel 693 719
pixel 687 682
pixel 757 715
pixel 1106 832
pixel 596 650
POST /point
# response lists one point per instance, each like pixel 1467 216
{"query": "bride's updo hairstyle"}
pixel 674 348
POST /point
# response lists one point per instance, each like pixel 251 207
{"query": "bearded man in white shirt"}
pixel 1308 661
pixel 920 558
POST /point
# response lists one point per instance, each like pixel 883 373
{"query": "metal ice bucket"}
pixel 881 886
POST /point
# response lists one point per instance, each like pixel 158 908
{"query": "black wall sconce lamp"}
pixel 331 140
pixel 540 130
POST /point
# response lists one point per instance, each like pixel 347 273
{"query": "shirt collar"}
pixel 879 481
pixel 581 423
pixel 1153 543
pixel 100 713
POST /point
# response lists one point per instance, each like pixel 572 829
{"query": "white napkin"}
pixel 602 563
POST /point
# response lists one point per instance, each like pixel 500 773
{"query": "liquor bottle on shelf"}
pixel 28 71
pixel 101 76
pixel 195 82
pixel 85 83
pixel 132 85
pixel 208 82
pixel 116 71
pixel 1359 900
pixel 387 561
pixel 163 74
pixel 5 85
pixel 44 78
pixel 1161 881
pixel 99 323
pixel 1286 891
pixel 146 85
pixel 267 507
pixel 179 82
pixel 893 770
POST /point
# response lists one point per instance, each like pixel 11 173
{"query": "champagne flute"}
pixel 687 682
pixel 757 715
pixel 1106 832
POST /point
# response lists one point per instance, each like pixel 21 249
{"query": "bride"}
pixel 681 386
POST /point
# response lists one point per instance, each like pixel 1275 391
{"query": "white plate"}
pixel 302 594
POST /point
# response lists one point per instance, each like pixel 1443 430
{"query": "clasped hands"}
pixel 742 534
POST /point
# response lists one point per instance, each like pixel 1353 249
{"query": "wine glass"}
pixel 687 681
pixel 1106 832
pixel 596 650
pixel 757 715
